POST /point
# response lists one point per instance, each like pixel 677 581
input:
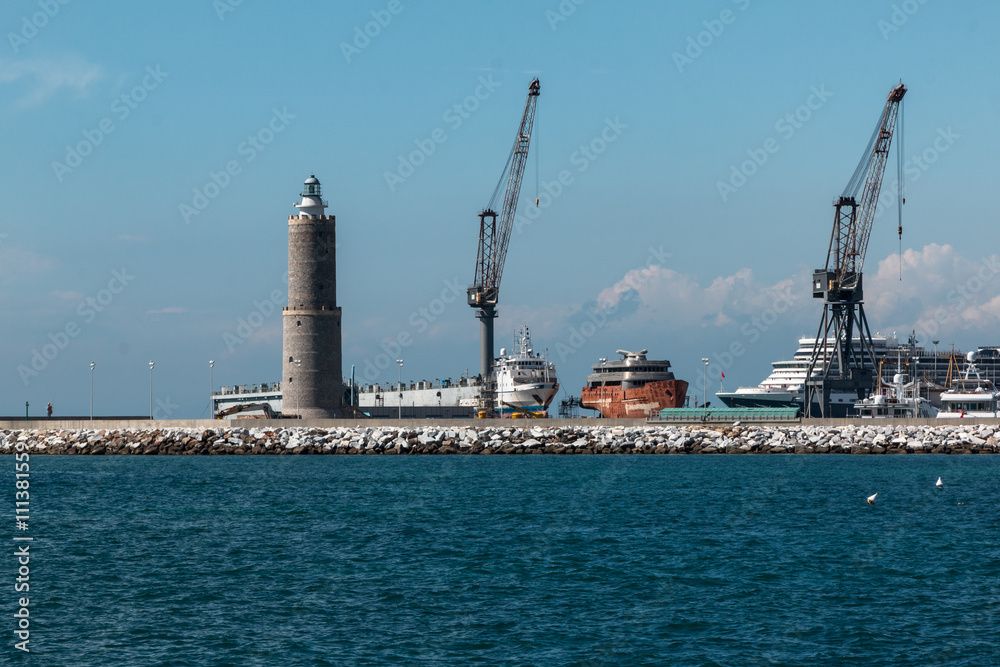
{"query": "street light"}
pixel 298 364
pixel 704 393
pixel 92 364
pixel 211 386
pixel 935 359
pixel 151 389
pixel 399 386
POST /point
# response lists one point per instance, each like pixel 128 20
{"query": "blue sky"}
pixel 643 243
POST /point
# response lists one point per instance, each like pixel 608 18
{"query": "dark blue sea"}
pixel 547 560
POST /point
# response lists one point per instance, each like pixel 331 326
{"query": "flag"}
pixel 723 376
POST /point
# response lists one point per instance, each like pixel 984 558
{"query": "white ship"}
pixel 526 380
pixel 971 396
pixel 526 383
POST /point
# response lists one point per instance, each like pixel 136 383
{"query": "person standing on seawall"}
pixel 48 409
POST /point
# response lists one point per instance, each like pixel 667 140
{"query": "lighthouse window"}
pixel 298 323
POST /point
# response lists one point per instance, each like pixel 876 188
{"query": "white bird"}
pixel 871 499
pixel 939 483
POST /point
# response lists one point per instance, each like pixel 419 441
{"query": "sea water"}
pixel 545 560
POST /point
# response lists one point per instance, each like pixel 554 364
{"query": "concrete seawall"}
pixel 486 437
pixel 88 424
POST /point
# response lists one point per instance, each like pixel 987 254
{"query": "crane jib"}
pixel 495 228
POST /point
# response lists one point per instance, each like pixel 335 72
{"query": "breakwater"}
pixel 873 438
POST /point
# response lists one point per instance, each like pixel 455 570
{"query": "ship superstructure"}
pixel 971 396
pixel 632 386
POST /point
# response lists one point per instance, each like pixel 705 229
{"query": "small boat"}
pixel 900 400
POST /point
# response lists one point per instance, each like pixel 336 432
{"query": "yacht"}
pixel 972 395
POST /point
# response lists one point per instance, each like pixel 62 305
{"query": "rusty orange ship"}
pixel 632 386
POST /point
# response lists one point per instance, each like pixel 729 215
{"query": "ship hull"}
pixel 534 398
pixel 841 406
pixel 641 402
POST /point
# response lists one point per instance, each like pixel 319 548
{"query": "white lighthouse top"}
pixel 312 203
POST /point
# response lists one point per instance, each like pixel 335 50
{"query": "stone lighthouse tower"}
pixel 312 379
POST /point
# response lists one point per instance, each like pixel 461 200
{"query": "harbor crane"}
pixel 840 283
pixel 494 236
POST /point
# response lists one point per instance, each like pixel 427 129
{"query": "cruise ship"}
pixel 936 370
pixel 526 384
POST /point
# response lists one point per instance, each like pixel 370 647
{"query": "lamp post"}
pixel 399 387
pixel 935 359
pixel 151 389
pixel 211 387
pixel 298 364
pixel 704 393
pixel 92 364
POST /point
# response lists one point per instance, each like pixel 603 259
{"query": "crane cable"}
pixel 536 164
pixel 901 193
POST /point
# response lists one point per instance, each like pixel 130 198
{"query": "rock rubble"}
pixel 877 438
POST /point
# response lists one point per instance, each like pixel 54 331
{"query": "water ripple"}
pixel 484 561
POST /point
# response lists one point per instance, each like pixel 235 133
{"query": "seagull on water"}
pixel 871 499
pixel 939 484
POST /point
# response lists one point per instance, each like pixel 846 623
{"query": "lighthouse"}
pixel 312 379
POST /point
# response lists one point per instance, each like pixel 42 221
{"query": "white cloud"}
pixel 675 300
pixel 941 291
pixel 18 263
pixel 169 310
pixel 44 77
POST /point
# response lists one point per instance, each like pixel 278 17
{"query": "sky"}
pixel 685 155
